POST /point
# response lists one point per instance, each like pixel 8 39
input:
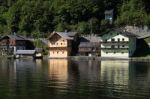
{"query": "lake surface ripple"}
pixel 74 79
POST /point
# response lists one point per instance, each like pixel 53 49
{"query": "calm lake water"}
pixel 68 79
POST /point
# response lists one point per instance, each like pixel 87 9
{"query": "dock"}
pixel 28 53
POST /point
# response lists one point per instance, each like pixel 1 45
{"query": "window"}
pixel 112 46
pixel 61 43
pixel 122 45
pixel 122 52
pixel 57 52
pixel 106 52
pixel 112 39
pixel 114 52
pixel 62 52
pixel 53 52
pixel 122 39
pixel 118 39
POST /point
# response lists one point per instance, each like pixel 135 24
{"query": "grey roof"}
pixel 72 34
pixel 122 32
pixel 16 37
pixel 126 33
pixel 25 52
pixel 89 44
pixel 90 38
pixel 140 32
pixel 90 41
pixel 144 35
pixel 109 11
pixel 63 35
pixel 38 49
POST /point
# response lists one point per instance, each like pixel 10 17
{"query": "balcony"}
pixel 59 48
pixel 114 48
pixel 115 43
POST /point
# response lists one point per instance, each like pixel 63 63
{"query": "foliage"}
pixel 147 21
pixel 33 17
pixel 132 13
pixel 105 26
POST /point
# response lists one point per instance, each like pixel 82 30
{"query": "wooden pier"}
pixel 28 53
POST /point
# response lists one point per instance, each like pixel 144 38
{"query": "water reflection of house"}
pixel 7 70
pixel 85 70
pixel 139 72
pixel 115 72
pixel 58 69
pixel 60 44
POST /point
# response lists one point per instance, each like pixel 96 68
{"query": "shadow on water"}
pixel 70 79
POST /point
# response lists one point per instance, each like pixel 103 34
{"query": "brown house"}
pixel 60 44
pixel 15 42
pixel 89 46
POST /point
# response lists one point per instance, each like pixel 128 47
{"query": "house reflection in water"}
pixel 115 72
pixel 7 69
pixel 58 69
pixel 139 72
pixel 87 70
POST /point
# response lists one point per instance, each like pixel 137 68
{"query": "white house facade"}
pixel 118 44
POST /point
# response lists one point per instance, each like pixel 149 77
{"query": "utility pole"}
pixel 8 3
pixel 91 28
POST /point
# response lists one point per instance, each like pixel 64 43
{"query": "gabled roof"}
pixel 109 11
pixel 90 38
pixel 122 32
pixel 72 34
pixel 140 31
pixel 144 35
pixel 126 33
pixel 16 37
pixel 89 44
pixel 65 35
pixel 89 41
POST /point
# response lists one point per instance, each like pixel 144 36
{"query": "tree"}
pixel 83 27
pixel 42 16
pixel 147 20
pixel 132 13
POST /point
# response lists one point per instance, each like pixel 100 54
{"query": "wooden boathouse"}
pixel 28 53
pixel 9 44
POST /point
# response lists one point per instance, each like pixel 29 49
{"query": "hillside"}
pixel 38 17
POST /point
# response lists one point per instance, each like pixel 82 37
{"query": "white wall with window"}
pixel 117 45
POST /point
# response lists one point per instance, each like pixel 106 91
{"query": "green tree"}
pixel 132 13
pixel 83 27
pixel 147 20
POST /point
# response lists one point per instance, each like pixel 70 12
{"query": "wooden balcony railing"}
pixel 114 48
pixel 115 42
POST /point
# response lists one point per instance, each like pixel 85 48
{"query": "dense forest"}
pixel 39 17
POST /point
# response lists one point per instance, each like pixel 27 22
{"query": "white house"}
pixel 118 44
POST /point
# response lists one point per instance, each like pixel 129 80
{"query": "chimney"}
pixel 65 31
